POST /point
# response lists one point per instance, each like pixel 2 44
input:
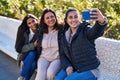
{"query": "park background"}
pixel 17 9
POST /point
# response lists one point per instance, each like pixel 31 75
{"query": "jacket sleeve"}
pixel 63 58
pixel 39 38
pixel 28 47
pixel 96 31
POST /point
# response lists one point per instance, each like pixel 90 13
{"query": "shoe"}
pixel 20 78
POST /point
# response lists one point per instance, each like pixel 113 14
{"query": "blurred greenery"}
pixel 110 8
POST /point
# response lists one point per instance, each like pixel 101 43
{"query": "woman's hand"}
pixel 36 43
pixel 70 71
pixel 98 16
pixel 21 64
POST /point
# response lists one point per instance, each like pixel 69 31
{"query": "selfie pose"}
pixel 77 47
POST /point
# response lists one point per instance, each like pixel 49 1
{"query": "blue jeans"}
pixel 29 66
pixel 87 75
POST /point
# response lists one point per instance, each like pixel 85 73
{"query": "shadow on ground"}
pixel 8 68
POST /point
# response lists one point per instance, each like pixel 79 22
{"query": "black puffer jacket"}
pixel 81 52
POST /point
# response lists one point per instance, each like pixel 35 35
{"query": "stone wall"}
pixel 108 51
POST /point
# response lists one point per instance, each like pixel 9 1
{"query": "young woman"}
pixel 77 47
pixel 48 63
pixel 26 43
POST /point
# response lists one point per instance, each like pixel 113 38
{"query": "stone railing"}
pixel 108 50
pixel 8 31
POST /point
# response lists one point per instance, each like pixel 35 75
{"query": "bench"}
pixel 108 50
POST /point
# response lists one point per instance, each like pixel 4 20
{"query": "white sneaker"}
pixel 20 78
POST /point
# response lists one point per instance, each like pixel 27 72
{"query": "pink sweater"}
pixel 50 46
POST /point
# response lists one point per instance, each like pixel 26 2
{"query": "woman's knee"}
pixel 40 75
pixel 50 74
pixel 31 54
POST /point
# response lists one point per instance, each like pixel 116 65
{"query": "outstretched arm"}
pixel 98 29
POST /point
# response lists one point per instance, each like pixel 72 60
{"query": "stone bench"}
pixel 108 50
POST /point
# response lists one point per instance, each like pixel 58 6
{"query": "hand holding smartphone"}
pixel 87 16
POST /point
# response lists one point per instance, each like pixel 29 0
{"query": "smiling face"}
pixel 49 19
pixel 32 23
pixel 73 19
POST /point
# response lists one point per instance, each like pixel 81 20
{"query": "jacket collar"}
pixel 75 34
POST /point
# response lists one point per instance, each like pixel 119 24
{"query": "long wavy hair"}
pixel 44 26
pixel 21 30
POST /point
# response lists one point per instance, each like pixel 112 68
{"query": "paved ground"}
pixel 8 68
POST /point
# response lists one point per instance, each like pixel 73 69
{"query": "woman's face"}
pixel 73 19
pixel 32 23
pixel 49 19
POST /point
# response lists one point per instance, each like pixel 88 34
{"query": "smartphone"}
pixel 86 15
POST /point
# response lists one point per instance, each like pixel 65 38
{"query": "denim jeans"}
pixel 87 75
pixel 29 66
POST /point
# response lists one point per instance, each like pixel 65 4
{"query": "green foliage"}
pixel 110 8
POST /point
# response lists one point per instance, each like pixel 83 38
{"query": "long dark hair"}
pixel 24 25
pixel 21 30
pixel 43 26
pixel 66 15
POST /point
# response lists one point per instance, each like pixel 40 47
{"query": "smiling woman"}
pixel 50 20
pixel 26 43
pixel 73 19
pixel 48 62
pixel 77 47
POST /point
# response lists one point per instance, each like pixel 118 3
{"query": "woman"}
pixel 77 47
pixel 26 43
pixel 48 63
